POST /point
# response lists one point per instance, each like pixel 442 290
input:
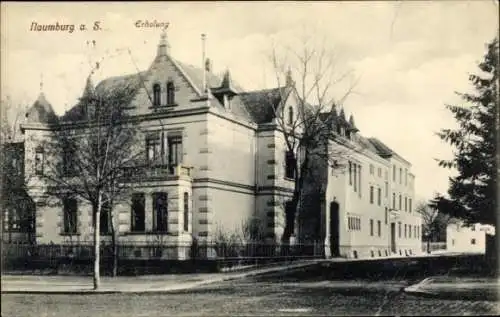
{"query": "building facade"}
pixel 227 166
pixel 468 239
pixel 368 208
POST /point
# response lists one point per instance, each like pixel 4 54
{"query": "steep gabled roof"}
pixel 261 104
pixel 385 151
pixel 131 80
pixel 366 144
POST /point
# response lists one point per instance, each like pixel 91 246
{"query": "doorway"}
pixel 334 229
pixel 393 237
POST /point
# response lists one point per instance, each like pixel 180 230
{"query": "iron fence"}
pixel 222 254
pixel 434 246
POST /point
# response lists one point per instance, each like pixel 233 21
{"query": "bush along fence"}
pixel 150 259
pixel 434 246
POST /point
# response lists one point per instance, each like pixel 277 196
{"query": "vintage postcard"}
pixel 249 158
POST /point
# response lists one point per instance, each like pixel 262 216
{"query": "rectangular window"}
pixel 353 223
pixel 406 203
pixel 186 212
pixel 379 172
pixel 371 227
pixel 174 152
pixel 394 201
pixel 372 169
pixel 350 173
pixel 400 202
pixel 399 229
pixel 386 176
pixel 400 175
pixel 359 180
pixel 394 172
pixel 405 231
pixel 68 161
pixel 379 228
pixel 289 165
pixel 386 189
pixel 409 204
pixel 409 231
pixel 472 241
pixel 70 214
pixel 386 215
pixel 355 178
pixel 379 196
pixel 406 176
pixel 105 219
pixel 153 148
pixel 160 212
pixel 414 231
pixel 39 160
pixel 138 213
pixel 371 194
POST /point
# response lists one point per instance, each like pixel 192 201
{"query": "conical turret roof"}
pixel 41 111
pixel 351 122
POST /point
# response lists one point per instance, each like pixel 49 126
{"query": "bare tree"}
pixel 16 207
pixel 433 222
pixel 311 81
pixel 10 119
pixel 95 157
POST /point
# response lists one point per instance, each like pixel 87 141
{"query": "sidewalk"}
pixel 457 288
pixel 141 284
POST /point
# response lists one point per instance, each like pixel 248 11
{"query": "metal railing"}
pixel 236 252
pixel 159 170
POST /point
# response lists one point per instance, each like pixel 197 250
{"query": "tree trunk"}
pixel 291 211
pixel 97 236
pixel 114 243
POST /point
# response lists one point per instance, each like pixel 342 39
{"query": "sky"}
pixel 407 58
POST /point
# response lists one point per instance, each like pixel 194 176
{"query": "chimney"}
pixel 204 63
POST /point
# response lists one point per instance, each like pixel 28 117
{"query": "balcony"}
pixel 159 171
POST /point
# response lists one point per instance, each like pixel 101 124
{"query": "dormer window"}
pixel 290 115
pixel 170 93
pixel 156 95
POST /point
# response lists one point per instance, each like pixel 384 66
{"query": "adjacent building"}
pixel 228 165
pixel 468 239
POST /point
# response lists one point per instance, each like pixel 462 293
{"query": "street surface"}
pixel 251 297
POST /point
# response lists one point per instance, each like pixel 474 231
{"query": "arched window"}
pixel 186 212
pixel 170 93
pixel 290 115
pixel 156 95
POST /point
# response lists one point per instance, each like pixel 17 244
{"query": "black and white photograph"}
pixel 241 158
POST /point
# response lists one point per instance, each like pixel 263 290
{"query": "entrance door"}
pixel 334 229
pixel 393 237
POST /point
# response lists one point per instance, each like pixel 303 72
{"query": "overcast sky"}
pixel 409 57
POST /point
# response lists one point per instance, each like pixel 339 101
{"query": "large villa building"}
pixel 227 166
